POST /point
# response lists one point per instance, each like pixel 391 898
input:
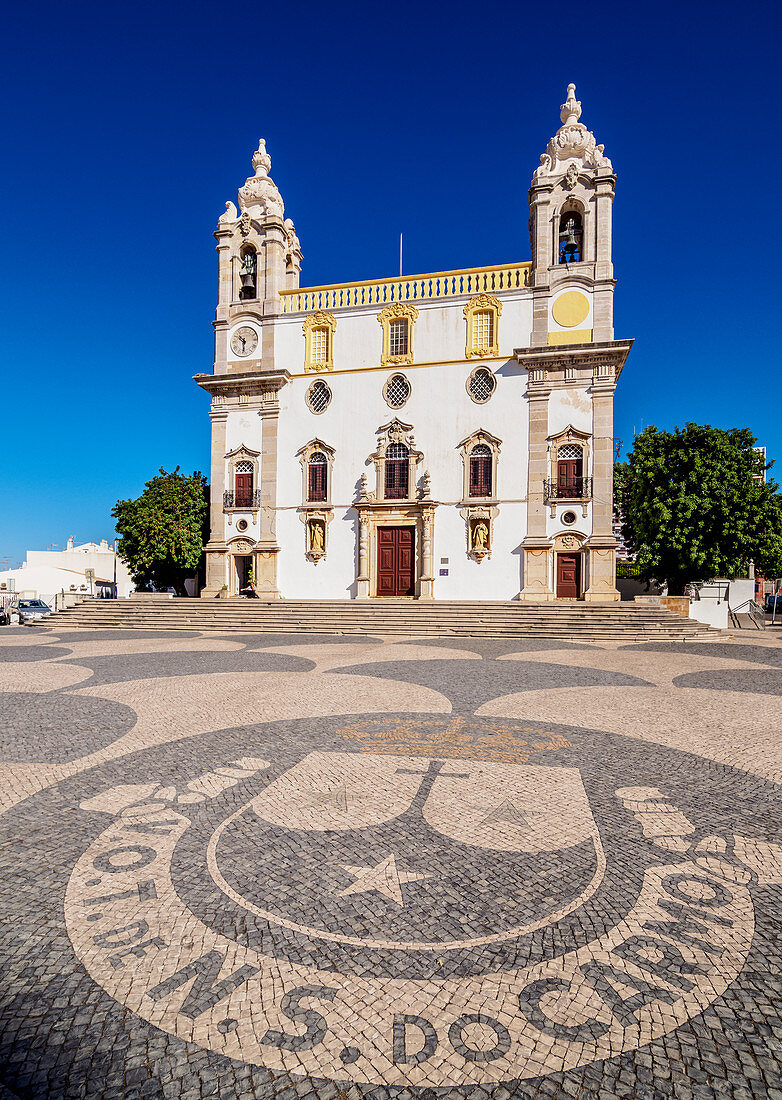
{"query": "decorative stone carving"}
pixel 262 162
pixel 230 215
pixel 317 320
pixel 573 146
pixel 260 190
pixel 397 311
pixel 292 244
pixel 567 542
pixel 571 177
pixel 245 224
pixel 242 546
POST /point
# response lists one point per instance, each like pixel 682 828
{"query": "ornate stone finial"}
pixel 260 190
pixel 573 147
pixel 570 111
pixel 230 214
pixel 262 162
pixel 426 485
pixel 293 246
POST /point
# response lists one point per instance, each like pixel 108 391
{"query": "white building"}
pixel 44 573
pixel 441 436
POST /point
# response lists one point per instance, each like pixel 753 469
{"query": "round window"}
pixel 569 518
pixel 242 525
pixel 318 396
pixel 481 385
pixel 396 391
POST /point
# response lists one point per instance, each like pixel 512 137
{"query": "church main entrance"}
pixel 396 561
pixel 568 576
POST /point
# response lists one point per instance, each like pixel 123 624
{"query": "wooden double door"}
pixel 396 561
pixel 568 576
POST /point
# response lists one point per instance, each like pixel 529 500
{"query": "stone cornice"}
pixel 586 357
pixel 251 383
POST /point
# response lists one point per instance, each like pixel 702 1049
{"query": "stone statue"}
pixel 480 537
pixel 316 537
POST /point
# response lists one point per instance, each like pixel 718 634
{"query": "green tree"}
pixel 694 507
pixel 164 530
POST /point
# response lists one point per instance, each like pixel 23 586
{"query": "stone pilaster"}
pixel 427 563
pixel 602 543
pixel 362 580
pixel 215 548
pixel 536 545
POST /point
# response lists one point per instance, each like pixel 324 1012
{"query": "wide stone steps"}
pixel 408 618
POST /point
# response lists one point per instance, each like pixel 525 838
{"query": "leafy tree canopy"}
pixel 694 507
pixel 163 531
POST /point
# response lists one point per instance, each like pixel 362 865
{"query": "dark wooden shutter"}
pixel 244 490
pixel 569 477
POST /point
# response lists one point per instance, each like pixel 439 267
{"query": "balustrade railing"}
pixel 249 500
pixel 574 488
pixel 408 288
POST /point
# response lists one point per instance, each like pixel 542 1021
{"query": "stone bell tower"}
pixel 570 202
pixel 259 255
pixel 572 358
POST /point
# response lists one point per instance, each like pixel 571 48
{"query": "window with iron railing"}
pixel 397 478
pixel 243 485
pixel 317 478
pixel 481 471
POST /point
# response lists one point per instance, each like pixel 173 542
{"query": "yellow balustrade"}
pixel 408 288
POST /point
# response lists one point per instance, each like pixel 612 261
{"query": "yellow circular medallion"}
pixel 570 309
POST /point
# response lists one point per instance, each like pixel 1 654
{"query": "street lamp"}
pixel 116 540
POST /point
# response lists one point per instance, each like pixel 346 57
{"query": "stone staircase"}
pixel 407 618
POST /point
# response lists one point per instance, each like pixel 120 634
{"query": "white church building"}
pixel 439 436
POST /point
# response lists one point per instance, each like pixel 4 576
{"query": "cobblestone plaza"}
pixel 290 866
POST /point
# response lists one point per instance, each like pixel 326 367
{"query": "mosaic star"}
pixel 384 877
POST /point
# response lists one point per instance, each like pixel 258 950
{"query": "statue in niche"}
pixel 480 537
pixel 317 542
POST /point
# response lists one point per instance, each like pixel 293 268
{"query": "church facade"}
pixel 439 436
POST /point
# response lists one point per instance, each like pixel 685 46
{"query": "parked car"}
pixel 769 606
pixel 32 610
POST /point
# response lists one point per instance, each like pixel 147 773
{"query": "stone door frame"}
pixel 375 514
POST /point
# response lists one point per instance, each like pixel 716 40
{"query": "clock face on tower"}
pixel 244 341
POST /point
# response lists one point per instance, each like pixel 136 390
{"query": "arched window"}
pixel 397 471
pixel 317 477
pixel 248 272
pixel 571 237
pixel 481 480
pixel 243 485
pixel 570 470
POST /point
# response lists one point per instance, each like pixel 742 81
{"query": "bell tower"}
pixel 258 255
pixel 570 202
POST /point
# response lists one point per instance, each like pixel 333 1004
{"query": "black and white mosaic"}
pixel 386 904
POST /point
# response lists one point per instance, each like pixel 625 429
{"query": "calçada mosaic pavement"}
pixel 290 866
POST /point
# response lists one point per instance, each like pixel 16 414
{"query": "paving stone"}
pixel 398 904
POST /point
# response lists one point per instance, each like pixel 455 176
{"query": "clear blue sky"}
pixel 129 126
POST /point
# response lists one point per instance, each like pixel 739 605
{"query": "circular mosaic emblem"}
pixel 421 902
